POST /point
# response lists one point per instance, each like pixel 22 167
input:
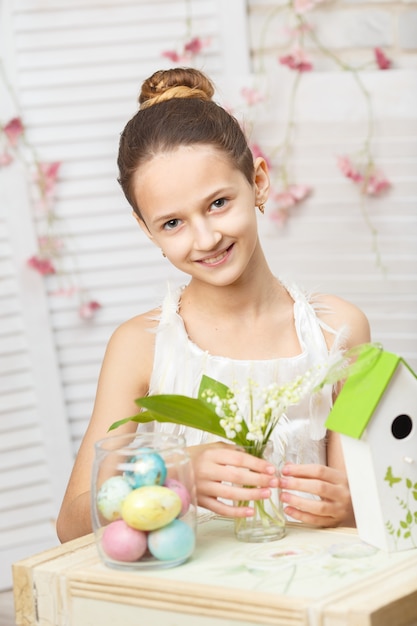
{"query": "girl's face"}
pixel 200 211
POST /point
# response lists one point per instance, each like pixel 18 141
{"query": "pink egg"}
pixel 123 543
pixel 182 492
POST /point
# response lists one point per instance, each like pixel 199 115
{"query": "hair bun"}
pixel 175 83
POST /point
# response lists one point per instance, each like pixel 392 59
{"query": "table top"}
pixel 309 575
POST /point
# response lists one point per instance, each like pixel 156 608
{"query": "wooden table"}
pixel 311 577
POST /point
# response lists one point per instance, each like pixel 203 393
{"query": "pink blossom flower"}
pixel 191 49
pixel 280 217
pixel 67 292
pixel 194 46
pixel 382 60
pixel 43 266
pixel 297 61
pixel 300 192
pixel 291 195
pixel 47 175
pixel 172 55
pixel 376 184
pixel 88 309
pixel 50 244
pixel 252 96
pixel 346 167
pixel 5 159
pixel 302 6
pixel 257 152
pixel 13 130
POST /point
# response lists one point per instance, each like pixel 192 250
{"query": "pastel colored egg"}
pixel 123 543
pixel 111 495
pixel 148 468
pixel 174 542
pixel 148 508
pixel 182 491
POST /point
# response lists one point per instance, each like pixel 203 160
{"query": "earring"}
pixel 163 254
pixel 261 207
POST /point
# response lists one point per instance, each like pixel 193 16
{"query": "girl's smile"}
pixel 217 260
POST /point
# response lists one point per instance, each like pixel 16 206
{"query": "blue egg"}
pixel 148 468
pixel 174 542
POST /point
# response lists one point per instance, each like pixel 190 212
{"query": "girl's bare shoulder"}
pixel 133 341
pixel 339 313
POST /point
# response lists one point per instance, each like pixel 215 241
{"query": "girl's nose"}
pixel 205 236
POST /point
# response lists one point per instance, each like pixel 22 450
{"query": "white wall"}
pixel 327 244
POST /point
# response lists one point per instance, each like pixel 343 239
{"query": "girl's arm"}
pixel 333 505
pixel 124 377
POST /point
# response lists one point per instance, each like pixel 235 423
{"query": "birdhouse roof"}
pixel 361 395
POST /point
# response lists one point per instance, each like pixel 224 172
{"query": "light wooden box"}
pixel 311 578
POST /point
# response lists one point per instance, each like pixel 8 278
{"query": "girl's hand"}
pixel 334 506
pixel 220 469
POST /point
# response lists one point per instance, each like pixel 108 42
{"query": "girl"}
pixel 187 171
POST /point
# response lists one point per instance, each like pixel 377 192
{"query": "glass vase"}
pixel 268 521
pixel 143 501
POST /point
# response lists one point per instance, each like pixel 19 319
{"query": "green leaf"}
pixel 218 388
pixel 178 409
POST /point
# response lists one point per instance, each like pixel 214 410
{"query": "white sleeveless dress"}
pixel 179 365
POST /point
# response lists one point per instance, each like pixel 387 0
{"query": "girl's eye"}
pixel 171 224
pixel 219 204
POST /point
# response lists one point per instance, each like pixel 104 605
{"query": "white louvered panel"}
pixel 79 67
pixel 35 457
pixel 28 503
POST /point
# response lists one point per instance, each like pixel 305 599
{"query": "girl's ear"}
pixel 261 180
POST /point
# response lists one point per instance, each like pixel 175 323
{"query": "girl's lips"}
pixel 217 259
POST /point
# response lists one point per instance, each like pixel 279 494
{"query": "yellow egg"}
pixel 149 508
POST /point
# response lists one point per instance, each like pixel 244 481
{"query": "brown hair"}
pixel 176 110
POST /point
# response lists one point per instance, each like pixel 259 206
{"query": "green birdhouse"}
pixel 376 416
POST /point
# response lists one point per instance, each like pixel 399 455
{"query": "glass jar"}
pixel 143 501
pixel 268 521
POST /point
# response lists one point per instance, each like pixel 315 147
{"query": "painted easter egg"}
pixel 174 542
pixel 111 495
pixel 148 468
pixel 151 507
pixel 182 491
pixel 123 543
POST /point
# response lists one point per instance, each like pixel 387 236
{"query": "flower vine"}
pixel 359 168
pixel 43 179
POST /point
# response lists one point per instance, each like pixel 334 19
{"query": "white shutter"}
pixel 79 70
pixel 77 67
pixel 35 455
